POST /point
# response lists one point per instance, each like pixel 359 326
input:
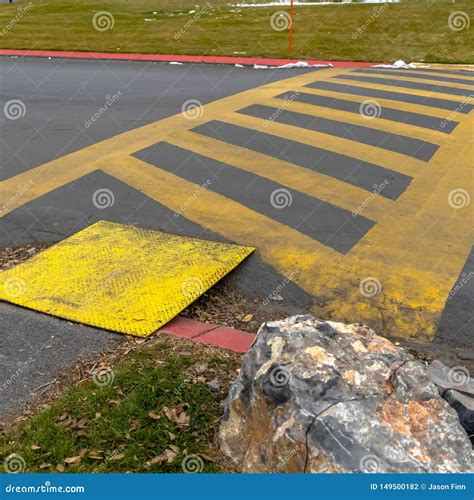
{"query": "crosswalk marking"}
pixel 290 175
pixel 410 84
pixel 416 246
pixel 403 144
pixel 345 168
pixel 384 92
pixel 415 75
pixel 364 114
pixel 320 220
pixel 429 111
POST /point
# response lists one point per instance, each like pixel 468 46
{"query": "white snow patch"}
pixel 396 64
pixel 298 64
pixel 175 62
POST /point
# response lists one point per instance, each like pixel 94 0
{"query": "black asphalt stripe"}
pixel 415 148
pixel 415 74
pixel 359 173
pixel 457 321
pixel 468 74
pixel 331 225
pixel 391 114
pixel 432 102
pixel 409 85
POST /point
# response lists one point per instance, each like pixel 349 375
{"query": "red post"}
pixel 290 34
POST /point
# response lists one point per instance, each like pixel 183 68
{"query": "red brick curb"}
pixel 207 333
pixel 244 61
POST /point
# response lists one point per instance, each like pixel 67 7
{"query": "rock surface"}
pixel 319 396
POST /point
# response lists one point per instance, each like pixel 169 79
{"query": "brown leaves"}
pixel 167 456
pixel 177 414
pixel 77 426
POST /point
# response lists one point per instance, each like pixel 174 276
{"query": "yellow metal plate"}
pixel 121 278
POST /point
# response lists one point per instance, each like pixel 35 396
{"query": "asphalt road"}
pixel 60 97
pixel 354 186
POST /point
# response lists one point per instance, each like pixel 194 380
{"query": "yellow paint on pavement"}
pixel 396 278
pixel 121 278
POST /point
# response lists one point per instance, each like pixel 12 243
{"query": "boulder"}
pixel 320 396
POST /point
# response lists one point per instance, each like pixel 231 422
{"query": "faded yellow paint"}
pixel 405 265
pixel 120 278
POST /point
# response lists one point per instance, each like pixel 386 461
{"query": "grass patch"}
pixel 160 408
pixel 410 31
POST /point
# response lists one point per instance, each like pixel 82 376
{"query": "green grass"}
pixel 412 31
pixel 124 426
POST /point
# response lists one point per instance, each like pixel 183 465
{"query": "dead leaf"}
pixel 45 465
pixel 60 468
pixel 72 460
pixel 170 455
pixel 35 447
pixel 118 456
pixel 247 318
pixel 154 416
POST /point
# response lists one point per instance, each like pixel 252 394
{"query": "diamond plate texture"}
pixel 120 278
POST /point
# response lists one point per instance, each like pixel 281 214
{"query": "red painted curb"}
pixel 207 333
pixel 228 338
pixel 187 328
pixel 244 61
